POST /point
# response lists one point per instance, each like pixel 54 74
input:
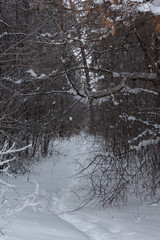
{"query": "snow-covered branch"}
pixel 139 90
pixel 12 34
pixel 11 150
pixel 29 201
pixel 6 161
pixel 98 94
pixel 127 75
pixel 109 91
pixel 74 89
pixel 132 118
pixel 6 184
pixel 25 38
pixel 145 143
pixel 151 136
pixel 143 134
pixel 3 22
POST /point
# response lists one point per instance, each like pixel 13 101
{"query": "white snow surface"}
pixel 53 218
pixel 150 7
pixel 142 5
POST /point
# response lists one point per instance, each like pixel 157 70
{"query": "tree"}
pixel 128 122
pixel 30 111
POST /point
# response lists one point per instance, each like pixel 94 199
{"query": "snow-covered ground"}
pixel 53 218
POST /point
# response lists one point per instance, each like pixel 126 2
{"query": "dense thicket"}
pixel 31 67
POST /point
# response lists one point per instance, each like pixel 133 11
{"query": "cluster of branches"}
pixel 8 205
pixel 36 105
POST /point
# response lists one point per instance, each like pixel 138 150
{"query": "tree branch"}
pixel 24 39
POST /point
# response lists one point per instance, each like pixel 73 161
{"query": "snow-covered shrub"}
pixel 9 208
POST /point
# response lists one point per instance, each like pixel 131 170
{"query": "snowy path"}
pixel 52 221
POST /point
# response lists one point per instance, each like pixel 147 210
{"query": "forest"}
pixel 68 67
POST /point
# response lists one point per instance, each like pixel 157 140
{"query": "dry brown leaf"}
pixel 113 31
pixel 101 10
pixel 157 23
pixel 107 23
pixel 158 28
pixel 115 1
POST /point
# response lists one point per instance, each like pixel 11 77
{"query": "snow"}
pixel 50 186
pixel 142 5
pixel 114 100
pixel 3 34
pixel 145 143
pixel 32 72
pixel 139 90
pixel 150 7
pixel 144 133
pixel 35 75
pixel 157 2
pixel 46 35
pixel 132 118
pixel 98 2
pixel 12 150
pixel 18 81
